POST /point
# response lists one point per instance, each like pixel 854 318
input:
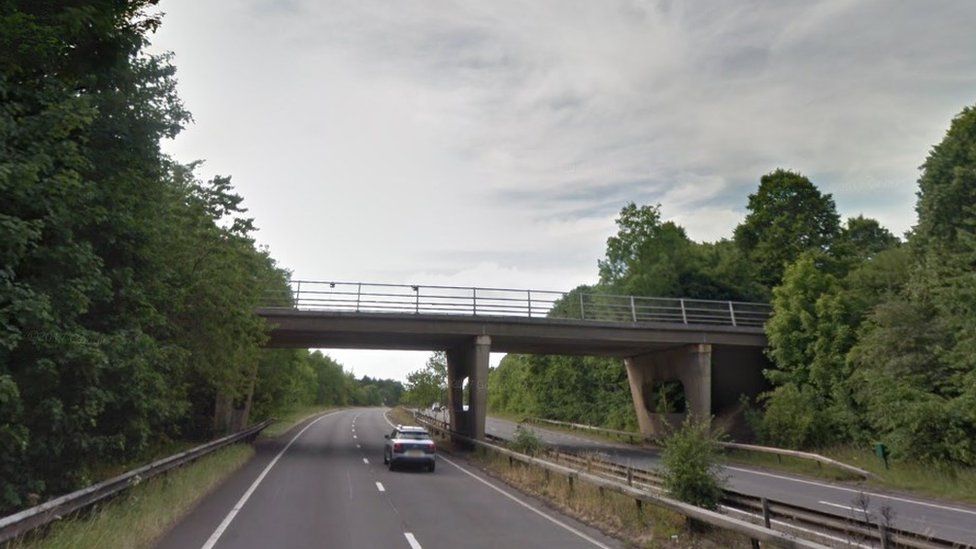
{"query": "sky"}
pixel 492 143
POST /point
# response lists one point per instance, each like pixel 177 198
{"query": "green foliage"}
pixel 788 216
pixel 525 441
pixel 864 238
pixel 429 384
pixel 947 189
pixel 691 472
pixel 668 397
pixel 652 257
pixel 793 418
pixel 127 285
pixel 878 344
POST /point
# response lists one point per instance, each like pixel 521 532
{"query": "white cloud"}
pixel 492 143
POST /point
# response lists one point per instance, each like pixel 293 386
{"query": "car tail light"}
pixel 397 447
pixel 430 448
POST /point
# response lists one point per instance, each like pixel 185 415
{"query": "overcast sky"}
pixel 492 143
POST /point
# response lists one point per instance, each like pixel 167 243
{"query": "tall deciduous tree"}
pixel 787 216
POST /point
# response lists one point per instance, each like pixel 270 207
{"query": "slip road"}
pixel 325 485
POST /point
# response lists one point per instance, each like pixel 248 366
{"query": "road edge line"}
pixel 224 524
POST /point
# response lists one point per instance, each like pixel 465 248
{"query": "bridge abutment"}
pixel 470 363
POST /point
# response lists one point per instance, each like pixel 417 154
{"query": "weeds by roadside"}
pixel 142 515
pixel 293 417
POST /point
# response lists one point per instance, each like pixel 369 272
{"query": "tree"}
pixel 646 256
pixel 429 384
pixel 863 238
pixel 690 464
pixel 656 258
pixel 792 330
pixel 787 216
pixel 947 189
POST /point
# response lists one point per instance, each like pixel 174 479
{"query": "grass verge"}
pixel 287 420
pixel 401 416
pixel 144 513
pixel 641 525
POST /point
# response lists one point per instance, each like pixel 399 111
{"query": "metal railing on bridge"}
pixel 362 297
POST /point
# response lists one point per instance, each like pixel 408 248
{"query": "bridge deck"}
pixel 404 331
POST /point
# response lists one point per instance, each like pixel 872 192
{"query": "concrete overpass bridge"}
pixel 714 349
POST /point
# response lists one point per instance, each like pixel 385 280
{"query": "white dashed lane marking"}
pixel 379 486
pixel 414 544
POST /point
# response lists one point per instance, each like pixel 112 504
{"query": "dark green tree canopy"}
pixel 787 216
pixel 864 238
pixel 947 189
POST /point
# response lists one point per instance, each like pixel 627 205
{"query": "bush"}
pixel 526 441
pixel 690 471
pixel 793 419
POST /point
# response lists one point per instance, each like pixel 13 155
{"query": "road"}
pixel 947 520
pixel 325 485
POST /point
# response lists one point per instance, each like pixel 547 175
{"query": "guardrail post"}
pixel 630 476
pixel 732 313
pixel 633 310
pixel 416 306
pixel 359 293
pixel 582 316
pixel 528 294
pixel 765 512
pixel 684 314
pixel 298 293
pixel 755 543
pixel 883 534
pixel 474 301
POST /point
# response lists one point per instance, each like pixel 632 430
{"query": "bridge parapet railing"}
pixel 362 297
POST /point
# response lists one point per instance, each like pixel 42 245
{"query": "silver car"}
pixel 408 444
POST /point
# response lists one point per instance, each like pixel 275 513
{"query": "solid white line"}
pixel 873 494
pixel 379 486
pixel 366 461
pixel 212 540
pixel 845 507
pixel 516 500
pixel 528 506
pixel 414 544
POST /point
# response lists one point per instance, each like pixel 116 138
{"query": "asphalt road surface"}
pixel 325 485
pixel 946 520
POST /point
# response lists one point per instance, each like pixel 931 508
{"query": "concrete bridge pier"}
pixel 690 365
pixel 713 379
pixel 469 363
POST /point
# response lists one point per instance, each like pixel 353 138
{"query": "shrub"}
pixel 690 471
pixel 526 441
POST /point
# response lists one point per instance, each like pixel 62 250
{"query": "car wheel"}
pixel 431 467
pixel 391 465
pixel 386 460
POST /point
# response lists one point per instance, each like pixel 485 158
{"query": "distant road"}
pixel 948 520
pixel 329 488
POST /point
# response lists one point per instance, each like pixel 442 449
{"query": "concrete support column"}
pixel 478 387
pixel 457 371
pixel 689 364
pixel 471 362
